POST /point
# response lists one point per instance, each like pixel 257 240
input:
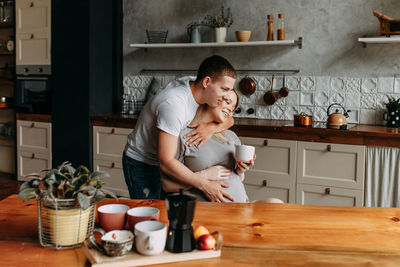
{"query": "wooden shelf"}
pixel 6 82
pixel 6 53
pixel 7 25
pixel 379 40
pixel 297 43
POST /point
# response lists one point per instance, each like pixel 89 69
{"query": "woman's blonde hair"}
pixel 202 109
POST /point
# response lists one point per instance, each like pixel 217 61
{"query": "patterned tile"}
pixel 381 100
pixel 276 112
pixel 139 93
pixel 321 98
pixel 289 112
pixel 369 85
pixel 368 101
pixel 278 83
pixel 293 82
pixel 352 100
pixel 379 116
pixel 146 81
pixel 385 84
pixel 307 110
pixel 307 98
pixel 165 80
pixel 338 84
pixel 308 83
pixel 354 116
pixel 263 83
pixel 353 85
pixel 263 112
pixel 397 85
pixel 322 83
pixel 293 99
pixel 337 97
pixel 367 116
pixel 136 81
pixel 259 98
pixel 320 114
pixel 127 82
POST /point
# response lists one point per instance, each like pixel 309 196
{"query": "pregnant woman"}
pixel 215 159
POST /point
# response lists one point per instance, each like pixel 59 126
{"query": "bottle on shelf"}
pixel 270 27
pixel 281 27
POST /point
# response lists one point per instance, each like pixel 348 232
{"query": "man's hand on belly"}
pixel 214 192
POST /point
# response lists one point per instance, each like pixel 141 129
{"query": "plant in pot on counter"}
pixel 392 116
pixel 220 22
pixel 66 198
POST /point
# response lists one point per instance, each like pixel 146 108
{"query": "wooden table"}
pixel 254 234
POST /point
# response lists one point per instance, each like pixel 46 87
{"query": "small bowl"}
pixel 243 36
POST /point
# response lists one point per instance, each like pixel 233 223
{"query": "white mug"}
pixel 244 153
pixel 150 237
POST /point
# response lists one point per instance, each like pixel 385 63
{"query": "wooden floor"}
pixel 8 185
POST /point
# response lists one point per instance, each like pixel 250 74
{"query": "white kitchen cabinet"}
pixel 108 146
pixel 33 32
pixel 7 159
pixel 274 171
pixel 33 147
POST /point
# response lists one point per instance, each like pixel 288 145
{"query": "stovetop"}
pixel 322 125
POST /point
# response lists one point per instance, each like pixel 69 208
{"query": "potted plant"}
pixel 66 203
pixel 220 23
pixel 392 116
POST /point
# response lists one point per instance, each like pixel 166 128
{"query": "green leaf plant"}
pixel 66 182
pixel 393 104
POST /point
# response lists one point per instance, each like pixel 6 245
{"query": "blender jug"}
pixel 180 208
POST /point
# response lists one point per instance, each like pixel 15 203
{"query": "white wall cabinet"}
pixel 108 146
pixel 306 172
pixel 33 32
pixel 33 147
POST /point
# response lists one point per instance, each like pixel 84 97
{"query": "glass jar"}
pixel 281 27
pixel 7 12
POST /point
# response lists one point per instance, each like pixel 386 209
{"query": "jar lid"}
pixel 281 15
pixel 270 16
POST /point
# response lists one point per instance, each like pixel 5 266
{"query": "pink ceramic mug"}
pixel 112 216
pixel 140 214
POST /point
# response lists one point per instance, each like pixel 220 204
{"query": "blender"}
pixel 180 208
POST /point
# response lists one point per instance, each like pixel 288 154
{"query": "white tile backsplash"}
pixel 309 94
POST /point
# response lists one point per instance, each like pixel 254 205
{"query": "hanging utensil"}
pixel 247 86
pixel 270 97
pixel 284 91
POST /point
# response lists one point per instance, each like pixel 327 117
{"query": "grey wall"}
pixel 329 28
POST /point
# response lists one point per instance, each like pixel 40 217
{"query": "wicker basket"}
pixel 154 37
pixel 62 224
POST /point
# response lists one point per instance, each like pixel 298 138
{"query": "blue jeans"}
pixel 143 180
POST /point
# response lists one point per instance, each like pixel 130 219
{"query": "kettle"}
pixel 337 120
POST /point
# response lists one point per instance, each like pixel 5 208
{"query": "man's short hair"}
pixel 215 67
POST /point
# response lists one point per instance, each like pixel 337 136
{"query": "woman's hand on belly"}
pixel 215 173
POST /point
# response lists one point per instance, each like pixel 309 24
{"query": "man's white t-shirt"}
pixel 170 111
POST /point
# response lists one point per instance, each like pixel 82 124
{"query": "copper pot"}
pixel 270 97
pixel 302 120
pixel 247 86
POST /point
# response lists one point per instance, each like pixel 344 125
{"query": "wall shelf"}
pixel 297 43
pixel 379 40
pixel 6 53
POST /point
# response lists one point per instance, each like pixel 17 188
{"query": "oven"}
pixel 33 94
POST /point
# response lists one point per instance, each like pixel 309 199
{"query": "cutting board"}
pixel 98 259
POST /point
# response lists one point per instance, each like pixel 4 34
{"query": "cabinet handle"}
pixel 327 191
pixel 32 125
pixel 265 142
pixel 328 148
pixel 112 131
pixel 31 5
pixel 32 36
pixel 112 165
pixel 33 155
pixel 265 183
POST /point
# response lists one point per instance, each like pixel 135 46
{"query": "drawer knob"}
pixel 328 148
pixel 31 5
pixel 266 142
pixel 32 36
pixel 33 155
pixel 265 183
pixel 112 165
pixel 112 131
pixel 327 191
pixel 32 125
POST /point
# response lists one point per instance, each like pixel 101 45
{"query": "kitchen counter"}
pixel 257 234
pixel 371 135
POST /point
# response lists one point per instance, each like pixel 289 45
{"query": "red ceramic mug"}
pixel 112 216
pixel 140 214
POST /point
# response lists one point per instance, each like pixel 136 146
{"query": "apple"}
pixel 206 242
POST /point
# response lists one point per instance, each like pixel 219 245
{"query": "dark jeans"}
pixel 143 180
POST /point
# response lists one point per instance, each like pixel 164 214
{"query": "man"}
pixel 162 119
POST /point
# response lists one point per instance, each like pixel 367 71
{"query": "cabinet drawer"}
pixel 331 165
pixel 30 162
pixel 260 188
pixel 328 196
pixel 109 142
pixel 33 15
pixel 34 136
pixel 33 49
pixel 116 183
pixel 7 159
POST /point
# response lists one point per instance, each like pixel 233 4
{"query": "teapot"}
pixel 338 119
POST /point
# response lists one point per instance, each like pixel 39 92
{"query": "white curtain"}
pixel 382 175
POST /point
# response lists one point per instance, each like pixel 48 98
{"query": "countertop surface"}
pixel 360 134
pixel 256 234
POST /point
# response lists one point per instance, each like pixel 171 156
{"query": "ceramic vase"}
pixel 194 34
pixel 220 35
pixel 392 118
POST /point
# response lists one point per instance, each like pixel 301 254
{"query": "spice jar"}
pixel 281 27
pixel 270 27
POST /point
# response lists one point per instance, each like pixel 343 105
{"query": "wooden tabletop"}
pixel 256 234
